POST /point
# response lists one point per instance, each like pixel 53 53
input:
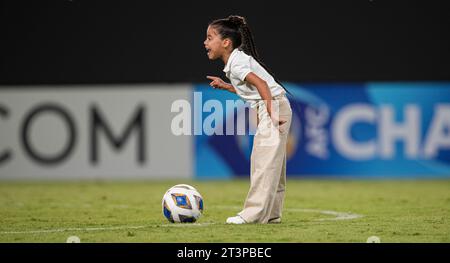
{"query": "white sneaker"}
pixel 236 220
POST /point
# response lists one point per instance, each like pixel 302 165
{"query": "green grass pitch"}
pixel 315 211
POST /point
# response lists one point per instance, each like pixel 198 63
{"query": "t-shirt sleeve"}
pixel 241 67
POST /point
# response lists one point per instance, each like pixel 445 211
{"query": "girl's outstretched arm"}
pixel 220 84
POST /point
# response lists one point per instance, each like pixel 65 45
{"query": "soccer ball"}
pixel 182 203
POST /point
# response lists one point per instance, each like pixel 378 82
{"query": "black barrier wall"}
pixel 75 41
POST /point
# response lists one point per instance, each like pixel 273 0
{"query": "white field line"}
pixel 337 215
pixel 72 229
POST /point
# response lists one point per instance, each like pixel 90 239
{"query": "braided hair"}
pixel 237 30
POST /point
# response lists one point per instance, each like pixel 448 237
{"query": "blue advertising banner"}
pixel 356 129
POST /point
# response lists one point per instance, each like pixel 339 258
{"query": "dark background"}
pixel 73 42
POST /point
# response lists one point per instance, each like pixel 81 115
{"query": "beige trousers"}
pixel 268 164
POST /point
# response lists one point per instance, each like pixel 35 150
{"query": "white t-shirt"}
pixel 237 68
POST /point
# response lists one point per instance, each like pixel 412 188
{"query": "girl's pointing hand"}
pixel 216 82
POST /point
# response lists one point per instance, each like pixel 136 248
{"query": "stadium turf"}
pixel 315 211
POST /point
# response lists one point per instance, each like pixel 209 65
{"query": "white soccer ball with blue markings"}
pixel 182 203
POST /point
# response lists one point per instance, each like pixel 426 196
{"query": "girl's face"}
pixel 214 44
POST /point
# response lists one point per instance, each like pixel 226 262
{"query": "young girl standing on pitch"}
pixel 231 40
